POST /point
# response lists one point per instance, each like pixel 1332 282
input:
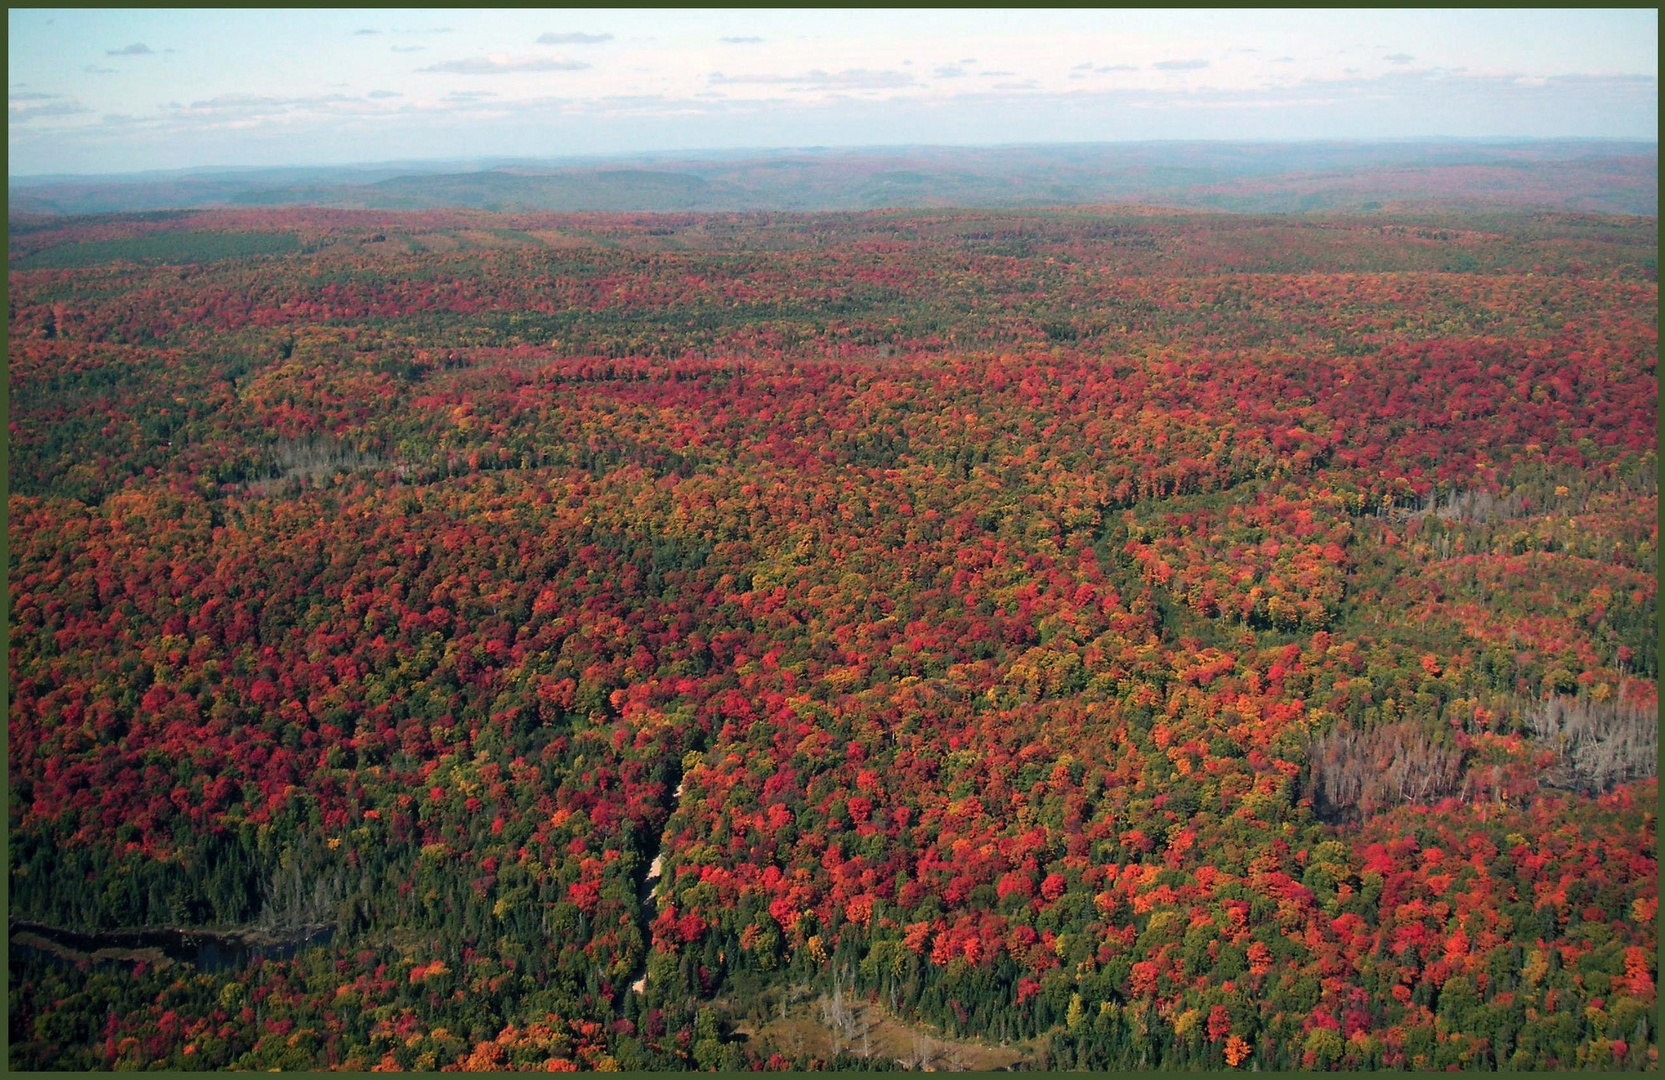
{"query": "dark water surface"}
pixel 207 951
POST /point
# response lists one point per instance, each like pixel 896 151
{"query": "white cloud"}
pixel 238 101
pixel 23 114
pixel 851 79
pixel 574 38
pixel 506 65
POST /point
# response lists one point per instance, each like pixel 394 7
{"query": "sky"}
pixel 101 92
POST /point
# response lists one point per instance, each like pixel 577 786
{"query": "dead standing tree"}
pixel 845 1022
pixel 1599 744
pixel 923 1055
pixel 1356 773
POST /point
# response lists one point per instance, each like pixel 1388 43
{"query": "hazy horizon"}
pixel 1601 176
pixel 102 93
pixel 761 152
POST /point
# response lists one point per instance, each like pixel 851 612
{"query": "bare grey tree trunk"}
pixel 1600 744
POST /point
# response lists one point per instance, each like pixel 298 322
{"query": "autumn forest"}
pixel 1047 639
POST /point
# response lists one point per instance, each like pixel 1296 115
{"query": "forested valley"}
pixel 1109 637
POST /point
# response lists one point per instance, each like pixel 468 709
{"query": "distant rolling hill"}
pixel 1569 175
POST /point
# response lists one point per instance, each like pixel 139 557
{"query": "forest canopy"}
pixel 583 641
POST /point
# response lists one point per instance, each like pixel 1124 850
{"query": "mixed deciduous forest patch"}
pixel 1138 637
